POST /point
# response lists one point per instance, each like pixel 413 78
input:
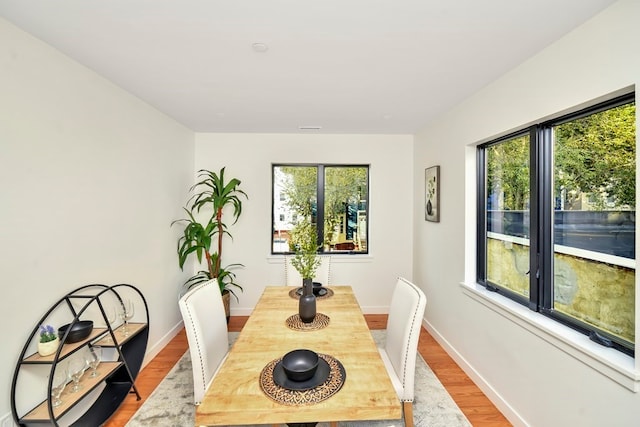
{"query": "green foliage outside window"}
pixel 596 155
pixel 342 208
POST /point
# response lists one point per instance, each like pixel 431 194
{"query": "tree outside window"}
pixel 335 196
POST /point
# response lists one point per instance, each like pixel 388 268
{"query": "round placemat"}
pixel 296 292
pixel 331 386
pixel 319 322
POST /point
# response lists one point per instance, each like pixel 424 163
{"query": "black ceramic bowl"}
pixel 300 365
pixel 79 331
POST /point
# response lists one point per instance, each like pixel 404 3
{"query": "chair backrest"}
pixel 323 273
pixel 205 322
pixel 403 330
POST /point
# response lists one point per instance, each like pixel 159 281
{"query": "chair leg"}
pixel 407 409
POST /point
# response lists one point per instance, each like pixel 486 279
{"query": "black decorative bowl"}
pixel 300 365
pixel 79 331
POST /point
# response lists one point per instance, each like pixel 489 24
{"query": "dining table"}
pixel 358 387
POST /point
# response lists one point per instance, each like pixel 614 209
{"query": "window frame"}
pixel 541 208
pixel 320 190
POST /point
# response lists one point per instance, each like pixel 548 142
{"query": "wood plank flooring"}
pixel 474 404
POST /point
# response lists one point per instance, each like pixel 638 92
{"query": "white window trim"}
pixel 609 362
pixel 336 258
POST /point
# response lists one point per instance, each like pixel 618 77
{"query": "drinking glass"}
pixel 94 356
pixel 111 313
pixel 77 367
pixel 126 314
pixel 60 380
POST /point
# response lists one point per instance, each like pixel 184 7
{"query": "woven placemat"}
pixel 296 292
pixel 295 322
pixel 331 386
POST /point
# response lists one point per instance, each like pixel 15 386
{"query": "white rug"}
pixel 171 403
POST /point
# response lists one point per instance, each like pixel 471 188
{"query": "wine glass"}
pixel 111 313
pixel 94 356
pixel 60 380
pixel 127 312
pixel 77 367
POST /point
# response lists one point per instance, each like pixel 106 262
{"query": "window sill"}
pixel 615 365
pixel 335 258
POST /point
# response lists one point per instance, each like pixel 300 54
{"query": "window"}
pixel 556 220
pixel 336 196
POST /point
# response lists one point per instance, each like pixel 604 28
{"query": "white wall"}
pixel 90 179
pixel 540 384
pixel 249 157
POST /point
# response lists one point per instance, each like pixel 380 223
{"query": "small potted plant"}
pixel 306 262
pixel 49 341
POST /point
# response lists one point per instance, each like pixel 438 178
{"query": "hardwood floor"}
pixel 474 404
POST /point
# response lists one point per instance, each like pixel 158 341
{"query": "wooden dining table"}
pixel 236 397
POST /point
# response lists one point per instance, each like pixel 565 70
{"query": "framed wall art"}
pixel 432 194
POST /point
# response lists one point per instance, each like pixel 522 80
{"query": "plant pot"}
pixel 49 347
pixel 226 301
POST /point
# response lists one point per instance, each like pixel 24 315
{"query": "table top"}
pixel 235 396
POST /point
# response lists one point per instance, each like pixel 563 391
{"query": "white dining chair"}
pixel 323 273
pixel 399 351
pixel 206 325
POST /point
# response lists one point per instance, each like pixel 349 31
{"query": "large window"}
pixel 334 196
pixel 556 220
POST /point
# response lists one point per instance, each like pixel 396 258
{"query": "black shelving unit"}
pixel 117 377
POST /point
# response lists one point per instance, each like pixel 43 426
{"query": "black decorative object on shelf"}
pixel 85 310
pixel 79 331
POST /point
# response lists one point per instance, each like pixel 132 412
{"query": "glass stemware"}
pixel 77 367
pixel 60 380
pixel 111 313
pixel 94 356
pixel 126 314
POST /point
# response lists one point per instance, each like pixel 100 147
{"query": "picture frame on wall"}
pixel 432 194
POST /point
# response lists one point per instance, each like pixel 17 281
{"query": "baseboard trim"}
pixel 496 398
pixel 161 343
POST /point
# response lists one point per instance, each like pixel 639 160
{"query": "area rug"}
pixel 171 403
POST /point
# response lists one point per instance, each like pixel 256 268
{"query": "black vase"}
pixel 307 302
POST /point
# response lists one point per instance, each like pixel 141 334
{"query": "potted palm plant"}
pixel 211 194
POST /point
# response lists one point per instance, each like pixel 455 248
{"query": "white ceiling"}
pixel 349 66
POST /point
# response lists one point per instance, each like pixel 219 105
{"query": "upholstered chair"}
pixel 399 351
pixel 206 325
pixel 323 273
